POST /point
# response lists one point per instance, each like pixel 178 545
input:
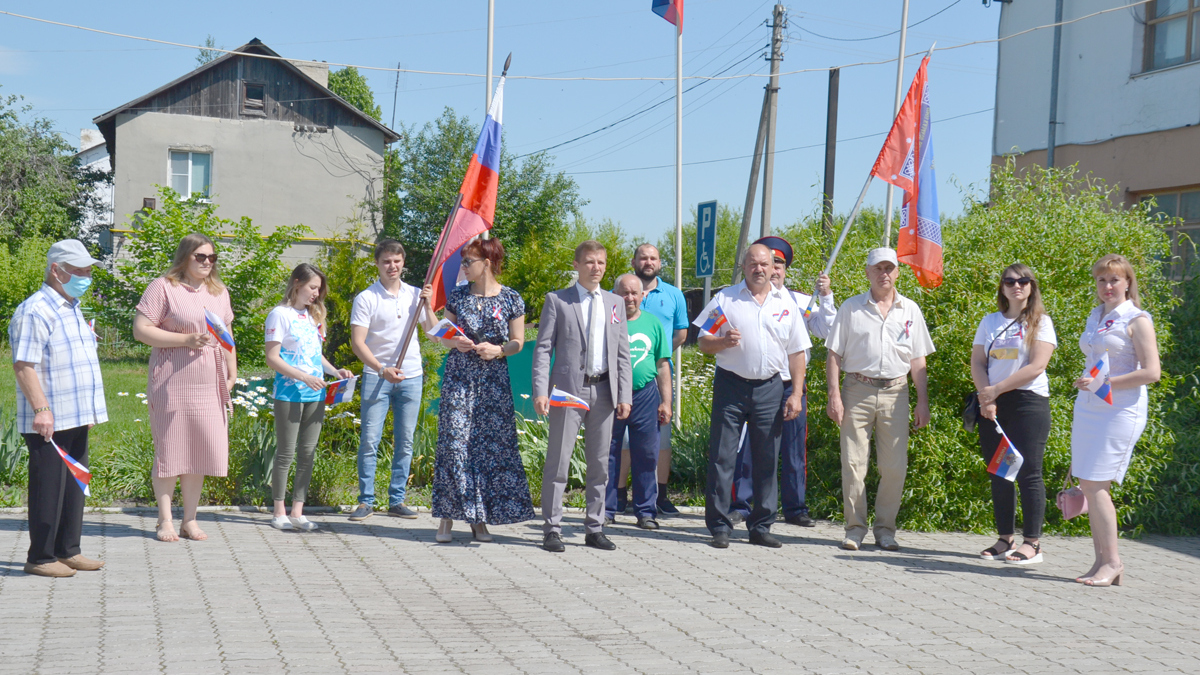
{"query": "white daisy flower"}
pixel 261 390
pixel 122 393
pixel 524 395
pixel 145 402
pixel 137 420
pixel 140 395
pixel 260 400
pixel 521 432
pixel 241 382
pixel 252 414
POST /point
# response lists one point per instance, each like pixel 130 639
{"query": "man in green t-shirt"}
pixel 650 355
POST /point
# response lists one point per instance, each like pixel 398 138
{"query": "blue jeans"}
pixel 404 398
pixel 642 425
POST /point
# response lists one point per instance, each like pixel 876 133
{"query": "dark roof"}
pixel 254 47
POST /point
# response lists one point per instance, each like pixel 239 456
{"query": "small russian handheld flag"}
pixel 1099 384
pixel 446 330
pixel 341 391
pixel 716 319
pixel 1007 461
pixel 217 327
pixel 561 399
pixel 78 471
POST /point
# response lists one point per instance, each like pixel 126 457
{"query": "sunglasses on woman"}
pixel 200 257
pixel 1010 282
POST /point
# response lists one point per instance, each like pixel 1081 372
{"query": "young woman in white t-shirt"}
pixel 294 336
pixel 1008 364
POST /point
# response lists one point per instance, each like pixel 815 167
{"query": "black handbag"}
pixel 970 413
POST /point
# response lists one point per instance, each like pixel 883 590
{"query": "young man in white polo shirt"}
pixel 761 335
pixel 377 324
pixel 877 338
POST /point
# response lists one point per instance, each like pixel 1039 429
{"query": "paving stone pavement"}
pixel 382 597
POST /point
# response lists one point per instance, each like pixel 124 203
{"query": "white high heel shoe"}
pixel 443 535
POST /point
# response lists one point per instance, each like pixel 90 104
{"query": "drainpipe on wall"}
pixel 1058 17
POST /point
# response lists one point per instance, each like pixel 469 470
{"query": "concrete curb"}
pixel 684 510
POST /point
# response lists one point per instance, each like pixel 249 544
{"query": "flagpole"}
pixel 887 227
pixel 491 24
pixel 433 265
pixel 678 202
pixel 837 248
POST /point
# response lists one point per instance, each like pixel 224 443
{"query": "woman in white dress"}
pixel 1103 434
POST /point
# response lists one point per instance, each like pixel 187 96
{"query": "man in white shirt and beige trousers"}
pixel 877 338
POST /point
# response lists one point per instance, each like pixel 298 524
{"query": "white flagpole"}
pixel 678 203
pixel 491 25
pixel 887 228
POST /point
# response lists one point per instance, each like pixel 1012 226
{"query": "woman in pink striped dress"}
pixel 191 376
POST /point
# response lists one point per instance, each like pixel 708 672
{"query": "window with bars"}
pixel 1183 208
pixel 190 173
pixel 1172 33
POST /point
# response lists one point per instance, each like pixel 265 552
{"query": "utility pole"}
pixel 778 21
pixel 887 227
pixel 748 209
pixel 1050 140
pixel 831 112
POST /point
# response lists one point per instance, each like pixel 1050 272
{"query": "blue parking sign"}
pixel 706 238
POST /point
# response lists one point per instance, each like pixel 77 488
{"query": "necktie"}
pixel 595 334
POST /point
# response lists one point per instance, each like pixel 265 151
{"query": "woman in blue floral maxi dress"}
pixel 478 474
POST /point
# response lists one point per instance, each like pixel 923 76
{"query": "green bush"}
pixel 21 275
pixel 250 266
pixel 1057 222
pixel 349 270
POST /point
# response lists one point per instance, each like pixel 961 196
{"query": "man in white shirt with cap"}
pixel 877 338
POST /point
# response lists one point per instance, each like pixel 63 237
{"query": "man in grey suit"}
pixel 582 328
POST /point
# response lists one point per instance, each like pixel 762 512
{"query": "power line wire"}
pixel 799 147
pixel 565 79
pixel 876 37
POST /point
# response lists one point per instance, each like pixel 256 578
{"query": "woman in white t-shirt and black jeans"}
pixel 1008 364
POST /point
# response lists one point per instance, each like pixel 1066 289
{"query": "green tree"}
pixel 348 265
pixel 536 207
pixel 250 265
pixel 210 52
pixel 352 86
pixel 43 190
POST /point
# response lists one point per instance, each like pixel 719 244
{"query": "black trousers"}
pixel 1025 417
pixel 55 499
pixel 755 403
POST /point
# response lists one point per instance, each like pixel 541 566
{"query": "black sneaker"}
pixel 362 512
pixel 736 517
pixel 402 511
pixel 803 520
pixel 665 507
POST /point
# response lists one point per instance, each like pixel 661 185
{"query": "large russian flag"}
pixel 477 202
pixel 906 161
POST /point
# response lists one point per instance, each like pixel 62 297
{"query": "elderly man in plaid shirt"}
pixel 59 398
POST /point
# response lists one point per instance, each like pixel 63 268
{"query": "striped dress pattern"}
pixel 187 389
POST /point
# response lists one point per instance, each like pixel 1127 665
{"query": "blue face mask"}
pixel 77 286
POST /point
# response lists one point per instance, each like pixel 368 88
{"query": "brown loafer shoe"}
pixel 50 569
pixel 78 562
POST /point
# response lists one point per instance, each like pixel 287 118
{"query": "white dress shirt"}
pixel 770 332
pixel 385 316
pixel 818 323
pixel 878 347
pixel 594 343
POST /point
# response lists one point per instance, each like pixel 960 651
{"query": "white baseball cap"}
pixel 878 255
pixel 71 252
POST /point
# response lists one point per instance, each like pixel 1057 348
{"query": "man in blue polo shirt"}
pixel 666 303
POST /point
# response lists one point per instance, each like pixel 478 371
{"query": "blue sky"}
pixel 71 76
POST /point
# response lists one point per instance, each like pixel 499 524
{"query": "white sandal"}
pixel 443 535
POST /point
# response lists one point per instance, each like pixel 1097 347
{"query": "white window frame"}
pixel 171 174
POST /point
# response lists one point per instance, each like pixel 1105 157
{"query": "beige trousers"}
pixel 884 411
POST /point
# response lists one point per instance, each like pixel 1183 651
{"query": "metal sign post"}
pixel 706 245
